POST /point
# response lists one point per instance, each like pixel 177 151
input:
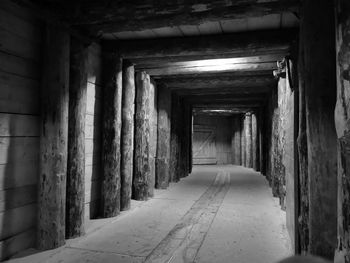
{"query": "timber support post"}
pixel 175 142
pixel 255 145
pixel 317 73
pixel 236 140
pixel 76 140
pixel 343 128
pixel 127 134
pixel 142 172
pixel 248 140
pixel 243 141
pixel 112 95
pixel 53 139
pixel 164 137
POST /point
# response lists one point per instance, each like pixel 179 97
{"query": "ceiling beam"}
pixel 266 66
pixel 243 44
pixel 227 99
pixel 224 91
pixel 117 16
pixel 150 64
pixel 203 82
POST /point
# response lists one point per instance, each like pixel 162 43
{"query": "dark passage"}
pixel 174 131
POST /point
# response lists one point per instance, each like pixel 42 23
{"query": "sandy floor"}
pixel 217 214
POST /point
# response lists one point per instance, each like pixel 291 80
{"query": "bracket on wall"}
pixel 280 72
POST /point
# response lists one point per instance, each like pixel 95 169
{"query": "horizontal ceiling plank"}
pixel 218 81
pixel 243 44
pixel 266 66
pixel 113 16
pixel 254 59
pixel 218 91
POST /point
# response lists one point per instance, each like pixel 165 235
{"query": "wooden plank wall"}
pixel 223 135
pixel 93 133
pixel 20 64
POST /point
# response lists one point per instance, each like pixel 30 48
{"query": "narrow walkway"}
pixel 218 214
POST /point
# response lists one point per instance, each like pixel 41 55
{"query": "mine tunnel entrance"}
pixel 166 119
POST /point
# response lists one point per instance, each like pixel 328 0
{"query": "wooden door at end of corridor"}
pixel 204 146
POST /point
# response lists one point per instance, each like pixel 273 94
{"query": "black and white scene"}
pixel 175 131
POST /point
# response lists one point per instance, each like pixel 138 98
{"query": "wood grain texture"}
pixel 127 136
pixel 164 137
pixel 142 169
pixel 54 139
pixel 76 140
pixel 320 99
pixel 111 131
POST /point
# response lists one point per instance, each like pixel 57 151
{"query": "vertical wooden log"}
pixel 76 140
pixel 248 140
pixel 164 134
pixel 153 135
pixel 127 134
pixel 255 147
pixel 342 122
pixel 112 94
pixel 142 172
pixel 261 143
pixel 318 72
pixel 236 140
pixel 174 142
pixel 303 217
pixel 191 141
pixel 53 139
pixel 243 141
pixel 186 137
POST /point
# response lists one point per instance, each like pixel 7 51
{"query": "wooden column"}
pixel 153 135
pixel 303 216
pixel 53 139
pixel 127 134
pixel 142 172
pixel 236 140
pixel 243 141
pixel 248 140
pixel 342 122
pixel 164 134
pixel 191 142
pixel 174 142
pixel 76 140
pixel 111 132
pixel 185 138
pixel 261 143
pixel 255 146
pixel 318 78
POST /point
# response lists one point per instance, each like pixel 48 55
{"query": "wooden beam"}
pixel 242 44
pixel 142 173
pixel 163 145
pixel 224 91
pixel 151 64
pixel 127 134
pixel 76 140
pixel 220 99
pixel 111 123
pixel 204 81
pixel 53 139
pixel 112 17
pixel 266 66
